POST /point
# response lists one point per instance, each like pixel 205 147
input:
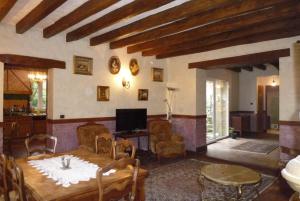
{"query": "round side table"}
pixel 230 175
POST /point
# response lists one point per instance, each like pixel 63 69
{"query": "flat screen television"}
pixel 131 119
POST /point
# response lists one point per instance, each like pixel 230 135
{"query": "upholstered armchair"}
pixel 163 142
pixel 87 133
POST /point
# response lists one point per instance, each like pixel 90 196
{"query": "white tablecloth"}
pixel 80 170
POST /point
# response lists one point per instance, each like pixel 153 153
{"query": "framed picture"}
pixel 143 94
pixel 103 93
pixel 114 65
pixel 157 74
pixel 134 67
pixel 83 65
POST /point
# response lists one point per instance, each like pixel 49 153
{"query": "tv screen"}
pixel 131 119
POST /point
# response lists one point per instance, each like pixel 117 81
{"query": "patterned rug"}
pixel 256 147
pixel 179 182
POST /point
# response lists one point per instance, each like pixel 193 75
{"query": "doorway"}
pixel 217 110
pixel 272 105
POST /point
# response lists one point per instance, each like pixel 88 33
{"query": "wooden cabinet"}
pixel 24 126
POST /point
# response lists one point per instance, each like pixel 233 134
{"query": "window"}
pixel 38 100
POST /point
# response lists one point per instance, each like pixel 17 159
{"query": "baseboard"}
pixel 201 149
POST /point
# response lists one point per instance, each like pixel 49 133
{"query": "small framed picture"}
pixel 157 74
pixel 102 93
pixel 83 65
pixel 114 65
pixel 134 67
pixel 143 94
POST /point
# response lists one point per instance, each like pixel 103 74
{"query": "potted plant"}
pixel 232 133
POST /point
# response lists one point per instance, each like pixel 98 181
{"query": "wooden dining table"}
pixel 42 188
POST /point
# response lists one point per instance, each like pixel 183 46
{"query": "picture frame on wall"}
pixel 114 65
pixel 134 67
pixel 143 94
pixel 157 74
pixel 83 65
pixel 103 93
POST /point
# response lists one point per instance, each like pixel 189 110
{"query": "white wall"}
pixel 248 87
pixel 75 95
pixel 186 102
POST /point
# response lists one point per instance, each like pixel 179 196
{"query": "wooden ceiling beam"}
pixel 272 35
pixel 31 62
pixel 197 20
pixel 187 9
pixel 127 11
pixel 5 6
pixel 275 64
pixel 37 14
pixel 248 68
pixel 243 60
pixel 86 10
pixel 261 66
pixel 288 10
pixel 262 28
pixel 236 69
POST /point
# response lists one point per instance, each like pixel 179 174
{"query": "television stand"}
pixel 133 134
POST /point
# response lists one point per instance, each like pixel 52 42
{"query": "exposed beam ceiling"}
pixel 87 9
pixel 276 13
pixel 5 6
pixel 32 62
pixel 244 60
pixel 261 66
pixel 37 14
pixel 197 20
pixel 248 68
pixel 259 28
pixel 129 10
pixel 187 9
pixel 272 35
pixel 275 64
pixel 236 69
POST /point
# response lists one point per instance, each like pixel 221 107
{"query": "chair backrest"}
pixel 86 135
pixel 126 185
pixel 16 179
pixel 104 144
pixel 161 129
pixel 3 177
pixel 122 148
pixel 41 144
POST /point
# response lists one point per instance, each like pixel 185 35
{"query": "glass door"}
pixel 217 110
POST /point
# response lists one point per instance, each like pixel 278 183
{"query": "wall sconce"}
pixel 274 84
pixel 125 83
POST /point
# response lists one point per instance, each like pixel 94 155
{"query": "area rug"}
pixel 179 182
pixel 256 147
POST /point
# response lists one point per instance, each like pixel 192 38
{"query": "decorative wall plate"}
pixel 114 65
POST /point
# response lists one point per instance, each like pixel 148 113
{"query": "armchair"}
pixel 87 133
pixel 163 142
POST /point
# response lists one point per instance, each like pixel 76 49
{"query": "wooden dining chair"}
pixel 40 144
pixel 123 148
pixel 3 178
pixel 16 180
pixel 125 186
pixel 104 144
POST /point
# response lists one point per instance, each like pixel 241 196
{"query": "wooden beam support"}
pixel 37 14
pixel 236 69
pixel 261 66
pixel 31 62
pixel 5 6
pixel 248 68
pixel 260 28
pixel 127 11
pixel 244 60
pixel 275 64
pixel 86 10
pixel 198 20
pixel 187 9
pixel 272 35
pixel 284 11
